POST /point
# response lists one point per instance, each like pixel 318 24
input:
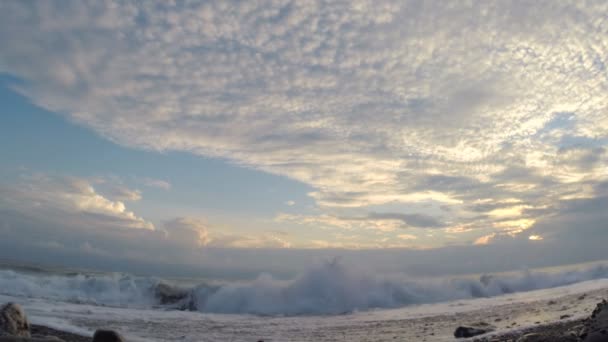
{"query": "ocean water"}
pixel 329 302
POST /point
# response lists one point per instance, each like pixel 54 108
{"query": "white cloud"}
pixel 232 240
pixel 193 231
pixel 369 102
pixel 123 193
pixel 187 231
pixel 67 215
pixel 75 204
pixel 331 221
pixel 484 240
pixel 61 199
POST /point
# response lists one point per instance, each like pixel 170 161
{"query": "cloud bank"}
pixel 494 123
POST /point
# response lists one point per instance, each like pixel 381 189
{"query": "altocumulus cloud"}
pixel 369 102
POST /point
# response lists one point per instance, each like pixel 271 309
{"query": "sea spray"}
pixel 326 289
pixel 110 289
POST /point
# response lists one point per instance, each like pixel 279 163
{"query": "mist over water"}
pixel 326 289
pixel 333 288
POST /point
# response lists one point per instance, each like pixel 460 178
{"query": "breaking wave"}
pixel 330 288
pixel 114 289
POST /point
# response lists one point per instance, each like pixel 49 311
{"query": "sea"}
pixel 328 302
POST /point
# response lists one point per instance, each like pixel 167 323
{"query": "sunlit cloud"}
pixel 72 206
pixel 123 193
pixel 484 240
pixel 407 237
pixel 69 199
pixel 514 226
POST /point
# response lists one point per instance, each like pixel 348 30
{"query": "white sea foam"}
pixel 330 288
pixel 435 322
pixel 114 289
pixel 333 288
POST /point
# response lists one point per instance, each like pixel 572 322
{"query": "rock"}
pixel 168 294
pixel 463 332
pixel 564 316
pixel 596 328
pixel 13 321
pixel 107 336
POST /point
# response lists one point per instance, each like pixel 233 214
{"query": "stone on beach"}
pixel 471 331
pixel 168 294
pixel 13 321
pixel 107 336
pixel 596 328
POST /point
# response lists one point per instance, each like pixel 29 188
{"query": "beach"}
pixel 549 311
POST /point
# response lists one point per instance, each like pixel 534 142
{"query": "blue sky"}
pixel 189 185
pixel 49 143
pixel 175 129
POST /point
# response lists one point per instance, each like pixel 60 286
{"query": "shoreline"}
pixel 557 315
pixel 559 331
pixel 42 330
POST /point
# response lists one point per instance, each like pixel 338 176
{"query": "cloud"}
pixel 375 221
pixel 331 221
pixel 193 231
pixel 55 219
pixel 63 199
pixel 122 193
pixel 231 240
pixel 41 221
pixel 156 183
pixel 185 230
pixel 413 220
pixel 484 240
pixel 580 219
pixel 372 103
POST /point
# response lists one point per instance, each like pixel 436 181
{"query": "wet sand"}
pixel 65 336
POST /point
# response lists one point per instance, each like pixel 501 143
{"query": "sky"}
pixel 246 136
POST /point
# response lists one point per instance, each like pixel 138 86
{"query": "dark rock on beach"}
pixel 168 294
pixel 592 329
pixel 471 331
pixel 13 321
pixel 554 332
pixel 14 327
pixel 596 327
pixel 107 336
pixel 175 297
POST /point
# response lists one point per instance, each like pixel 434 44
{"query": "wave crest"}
pixel 329 288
